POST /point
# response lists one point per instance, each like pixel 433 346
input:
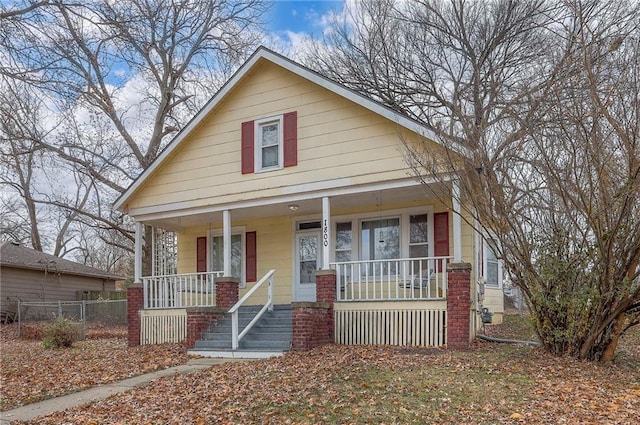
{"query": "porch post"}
pixel 135 303
pixel 326 232
pixel 137 267
pixel 226 242
pixel 457 222
pixel 458 306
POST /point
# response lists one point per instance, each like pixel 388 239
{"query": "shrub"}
pixel 32 331
pixel 61 333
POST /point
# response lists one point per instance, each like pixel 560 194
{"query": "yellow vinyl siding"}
pixel 493 300
pixel 274 250
pixel 336 139
pixel 275 243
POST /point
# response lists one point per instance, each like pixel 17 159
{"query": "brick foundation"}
pixel 198 321
pixel 135 302
pixel 227 290
pixel 458 305
pixel 313 321
pixel 310 325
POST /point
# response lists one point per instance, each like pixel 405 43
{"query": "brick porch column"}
pixel 458 305
pixel 198 321
pixel 326 293
pixel 309 325
pixel 135 303
pixel 227 291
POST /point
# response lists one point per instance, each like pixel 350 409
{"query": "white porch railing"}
pixel 235 336
pixel 390 280
pixel 180 290
pixel 161 326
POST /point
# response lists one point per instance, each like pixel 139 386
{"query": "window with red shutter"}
pixel 441 235
pixel 247 147
pixel 290 145
pixel 269 143
pixel 201 254
pixel 251 260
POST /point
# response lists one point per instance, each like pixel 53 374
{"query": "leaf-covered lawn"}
pixel 31 373
pixel 339 384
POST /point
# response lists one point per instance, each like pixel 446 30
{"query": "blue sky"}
pixel 300 16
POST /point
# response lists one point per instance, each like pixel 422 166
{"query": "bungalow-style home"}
pixel 30 275
pixel 290 190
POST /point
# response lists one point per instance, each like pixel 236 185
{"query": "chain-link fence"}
pixel 87 313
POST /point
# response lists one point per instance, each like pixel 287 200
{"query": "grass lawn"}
pixel 490 383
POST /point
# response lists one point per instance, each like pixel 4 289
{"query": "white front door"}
pixel 308 260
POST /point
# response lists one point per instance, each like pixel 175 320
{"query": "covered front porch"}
pixel 384 245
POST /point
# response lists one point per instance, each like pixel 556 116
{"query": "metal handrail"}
pixel 235 337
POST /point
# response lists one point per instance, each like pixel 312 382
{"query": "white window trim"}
pixel 258 168
pixel 356 220
pixel 237 230
pixel 485 249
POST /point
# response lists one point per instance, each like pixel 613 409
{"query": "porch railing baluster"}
pixel 422 278
pixel 179 290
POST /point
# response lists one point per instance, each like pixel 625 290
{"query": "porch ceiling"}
pixel 308 206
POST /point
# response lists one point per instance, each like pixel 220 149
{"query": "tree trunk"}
pixel 610 349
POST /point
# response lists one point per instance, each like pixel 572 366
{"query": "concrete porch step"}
pixel 237 354
pixel 272 333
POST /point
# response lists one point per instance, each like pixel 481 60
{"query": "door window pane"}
pixel 308 258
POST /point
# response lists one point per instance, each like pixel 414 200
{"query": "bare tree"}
pixel 28 171
pixel 544 99
pixel 132 73
pixel 20 131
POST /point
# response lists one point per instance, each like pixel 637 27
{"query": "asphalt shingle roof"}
pixel 18 256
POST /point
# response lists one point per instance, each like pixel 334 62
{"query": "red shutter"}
pixel 251 260
pixel 290 139
pixel 201 254
pixel 441 235
pixel 247 147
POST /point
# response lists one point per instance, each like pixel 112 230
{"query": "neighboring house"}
pixel 286 170
pixel 30 275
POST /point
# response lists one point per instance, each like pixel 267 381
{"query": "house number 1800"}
pixel 325 233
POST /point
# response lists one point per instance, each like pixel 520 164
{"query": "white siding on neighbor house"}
pixel 34 285
pixel 337 139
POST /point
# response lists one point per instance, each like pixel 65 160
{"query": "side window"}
pixel 492 267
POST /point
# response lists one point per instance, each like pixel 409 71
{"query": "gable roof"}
pixel 22 257
pixel 261 54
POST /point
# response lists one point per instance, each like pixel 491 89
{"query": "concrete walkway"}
pixel 57 404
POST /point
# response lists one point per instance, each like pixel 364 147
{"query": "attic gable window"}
pixel 270 143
